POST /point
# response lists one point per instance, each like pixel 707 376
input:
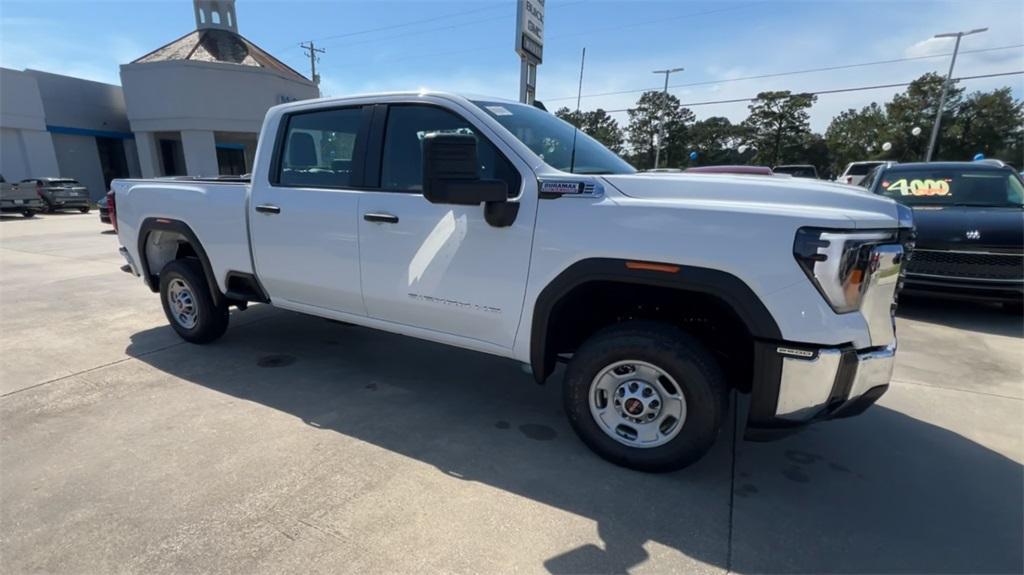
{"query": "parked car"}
pixel 970 228
pixel 60 193
pixel 104 209
pixel 797 170
pixel 856 171
pixel 745 170
pixel 18 199
pixel 483 224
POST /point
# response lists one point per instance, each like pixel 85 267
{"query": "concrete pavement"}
pixel 297 444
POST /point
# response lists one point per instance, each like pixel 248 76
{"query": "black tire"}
pixel 212 319
pixel 676 353
pixel 28 214
pixel 84 209
pixel 1014 307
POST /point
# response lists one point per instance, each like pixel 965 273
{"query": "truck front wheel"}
pixel 187 302
pixel 645 395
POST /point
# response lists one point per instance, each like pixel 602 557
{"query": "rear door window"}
pixel 319 148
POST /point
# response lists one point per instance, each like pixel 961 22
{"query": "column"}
pixel 149 158
pixel 200 149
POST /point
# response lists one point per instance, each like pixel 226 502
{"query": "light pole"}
pixel 945 86
pixel 661 122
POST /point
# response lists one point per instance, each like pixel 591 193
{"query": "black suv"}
pixel 970 227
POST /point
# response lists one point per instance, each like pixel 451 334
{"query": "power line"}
pixel 588 32
pixel 434 29
pixel 410 23
pixel 402 25
pixel 832 91
pixel 791 73
pixel 425 31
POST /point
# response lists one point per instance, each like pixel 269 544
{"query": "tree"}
pixel 598 124
pixel 856 135
pixel 817 153
pixel 916 108
pixel 644 122
pixel 991 123
pixel 716 141
pixel 779 124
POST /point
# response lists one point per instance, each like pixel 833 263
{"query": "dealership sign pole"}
pixel 529 46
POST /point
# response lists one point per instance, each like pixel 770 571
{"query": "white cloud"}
pixel 930 47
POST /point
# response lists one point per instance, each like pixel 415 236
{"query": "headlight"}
pixel 838 262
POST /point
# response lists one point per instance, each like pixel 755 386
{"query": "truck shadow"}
pixel 967 315
pixel 481 419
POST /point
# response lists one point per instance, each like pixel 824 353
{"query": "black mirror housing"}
pixel 451 172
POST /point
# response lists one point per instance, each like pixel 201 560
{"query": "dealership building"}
pixel 191 107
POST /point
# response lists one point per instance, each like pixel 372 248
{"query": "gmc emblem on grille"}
pixel 973 235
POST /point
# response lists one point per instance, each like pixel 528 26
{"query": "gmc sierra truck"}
pixel 496 227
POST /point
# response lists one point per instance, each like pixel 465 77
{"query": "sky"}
pixel 468 46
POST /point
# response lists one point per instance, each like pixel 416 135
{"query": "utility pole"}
pixel 945 87
pixel 661 122
pixel 312 51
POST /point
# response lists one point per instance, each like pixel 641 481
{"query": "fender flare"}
pixel 150 225
pixel 729 288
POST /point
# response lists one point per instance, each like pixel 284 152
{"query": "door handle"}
pixel 268 209
pixel 380 217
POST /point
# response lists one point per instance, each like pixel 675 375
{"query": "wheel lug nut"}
pixel 647 392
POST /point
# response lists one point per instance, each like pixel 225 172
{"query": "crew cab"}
pixel 496 227
pixel 970 228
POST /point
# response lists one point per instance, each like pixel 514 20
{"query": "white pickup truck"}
pixel 496 227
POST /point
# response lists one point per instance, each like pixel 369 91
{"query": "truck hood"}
pixel 812 197
pixel 970 227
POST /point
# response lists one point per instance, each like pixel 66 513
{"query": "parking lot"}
pixel 297 444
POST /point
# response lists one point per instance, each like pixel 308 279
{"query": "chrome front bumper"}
pixel 795 384
pixel 831 382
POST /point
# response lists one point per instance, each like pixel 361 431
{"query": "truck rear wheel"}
pixel 187 302
pixel 645 395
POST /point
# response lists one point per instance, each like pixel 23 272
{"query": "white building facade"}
pixel 59 126
pixel 196 105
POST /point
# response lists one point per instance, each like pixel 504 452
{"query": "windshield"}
pixel 859 169
pixel 552 140
pixel 951 187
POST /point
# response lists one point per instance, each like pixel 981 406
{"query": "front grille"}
pixel 969 265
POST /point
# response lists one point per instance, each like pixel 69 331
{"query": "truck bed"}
pixel 210 207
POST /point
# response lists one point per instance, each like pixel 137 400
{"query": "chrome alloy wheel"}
pixel 637 404
pixel 182 303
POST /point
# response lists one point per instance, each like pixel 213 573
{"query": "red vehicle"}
pixel 748 170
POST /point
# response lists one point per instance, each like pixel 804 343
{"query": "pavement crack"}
pixel 91 369
pixel 960 389
pixel 122 360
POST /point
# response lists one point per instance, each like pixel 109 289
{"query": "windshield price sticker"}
pixel 907 187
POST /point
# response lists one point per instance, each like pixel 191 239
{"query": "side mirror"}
pixel 451 172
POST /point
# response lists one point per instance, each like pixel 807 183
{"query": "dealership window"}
pixel 318 148
pixel 172 156
pixel 231 160
pixel 402 164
